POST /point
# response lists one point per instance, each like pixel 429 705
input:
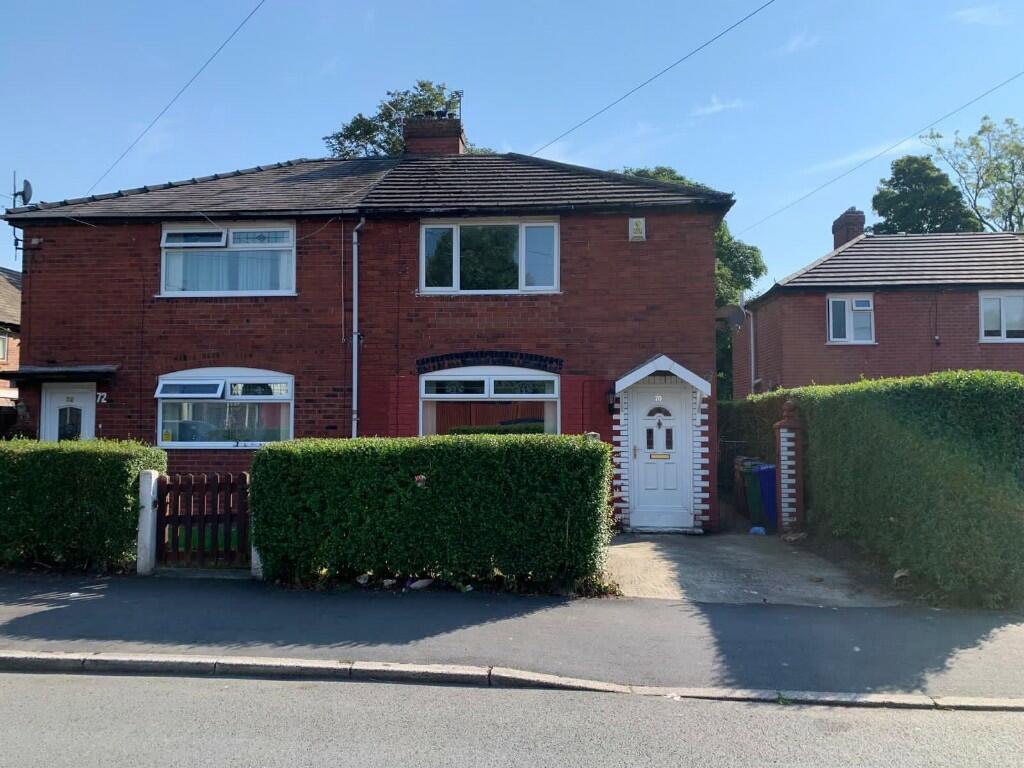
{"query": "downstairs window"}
pixel 491 399
pixel 223 408
pixel 1002 315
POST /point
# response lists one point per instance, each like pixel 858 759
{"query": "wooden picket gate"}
pixel 203 520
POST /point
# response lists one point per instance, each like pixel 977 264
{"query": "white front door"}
pixel 69 412
pixel 662 451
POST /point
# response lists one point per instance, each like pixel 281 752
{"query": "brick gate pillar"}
pixel 789 471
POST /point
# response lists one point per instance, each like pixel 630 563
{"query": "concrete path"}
pixel 734 568
pixel 57 721
pixel 625 640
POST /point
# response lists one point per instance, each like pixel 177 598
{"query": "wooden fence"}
pixel 203 520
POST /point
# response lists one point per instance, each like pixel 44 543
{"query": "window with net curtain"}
pixel 1002 316
pixel 233 260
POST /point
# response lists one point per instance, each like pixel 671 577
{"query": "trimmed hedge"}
pixel 926 472
pixel 71 504
pixel 500 429
pixel 529 508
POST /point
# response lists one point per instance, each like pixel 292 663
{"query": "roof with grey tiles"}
pixel 449 183
pixel 975 258
pixel 10 297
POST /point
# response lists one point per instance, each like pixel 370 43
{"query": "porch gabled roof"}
pixel 667 364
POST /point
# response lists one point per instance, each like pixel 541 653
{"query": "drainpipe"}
pixel 750 317
pixel 355 326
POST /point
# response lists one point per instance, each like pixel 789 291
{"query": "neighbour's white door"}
pixel 662 450
pixel 69 412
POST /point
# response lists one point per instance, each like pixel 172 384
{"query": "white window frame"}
pixel 226 377
pixel 228 230
pixel 161 395
pixel 456 224
pixel 5 344
pixel 995 294
pixel 849 299
pixel 489 374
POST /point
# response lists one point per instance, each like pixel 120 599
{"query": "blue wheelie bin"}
pixel 769 499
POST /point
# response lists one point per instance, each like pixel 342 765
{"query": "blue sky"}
pixel 800 93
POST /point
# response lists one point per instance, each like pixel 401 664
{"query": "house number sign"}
pixel 101 397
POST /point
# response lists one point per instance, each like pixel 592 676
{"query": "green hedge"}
pixel 500 429
pixel 926 472
pixel 529 508
pixel 71 504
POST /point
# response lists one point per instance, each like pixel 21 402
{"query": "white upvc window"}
pixel 851 318
pixel 3 345
pixel 481 256
pixel 1001 316
pixel 224 408
pixel 489 396
pixel 237 259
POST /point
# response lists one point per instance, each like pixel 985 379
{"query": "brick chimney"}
pixel 434 134
pixel 849 225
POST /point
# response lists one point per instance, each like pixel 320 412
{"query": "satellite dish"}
pixel 730 314
pixel 26 192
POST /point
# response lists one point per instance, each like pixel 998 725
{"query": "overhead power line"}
pixel 177 95
pixel 877 155
pixel 654 77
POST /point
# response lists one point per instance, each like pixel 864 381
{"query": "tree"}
pixel 380 134
pixel 919 198
pixel 737 266
pixel 989 169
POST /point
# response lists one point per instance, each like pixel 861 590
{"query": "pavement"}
pixel 57 721
pixel 635 641
pixel 735 568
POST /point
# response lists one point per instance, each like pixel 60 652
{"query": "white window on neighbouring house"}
pixel 3 346
pixel 233 260
pixel 223 408
pixel 500 256
pixel 488 399
pixel 1002 315
pixel 851 318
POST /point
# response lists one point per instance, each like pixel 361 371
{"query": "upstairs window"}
pixel 3 346
pixel 851 319
pixel 1002 315
pixel 247 260
pixel 223 408
pixel 489 257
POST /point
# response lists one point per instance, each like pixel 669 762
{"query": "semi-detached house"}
pixel 384 296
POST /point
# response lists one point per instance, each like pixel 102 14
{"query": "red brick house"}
pixel 213 315
pixel 887 305
pixel 10 327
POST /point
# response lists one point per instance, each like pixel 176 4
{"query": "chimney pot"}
pixel 434 133
pixel 849 225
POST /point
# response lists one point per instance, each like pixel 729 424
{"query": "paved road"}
pixel 74 721
pixel 656 642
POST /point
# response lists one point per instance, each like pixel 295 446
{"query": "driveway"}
pixel 734 568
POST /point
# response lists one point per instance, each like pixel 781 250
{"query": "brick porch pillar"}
pixel 789 469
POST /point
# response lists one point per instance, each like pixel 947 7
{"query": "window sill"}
pixel 211 446
pixel 541 292
pixel 851 343
pixel 222 294
pixel 1001 341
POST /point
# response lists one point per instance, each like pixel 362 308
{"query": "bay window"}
pixel 498 256
pixel 237 259
pixel 223 408
pixel 1002 315
pixel 489 399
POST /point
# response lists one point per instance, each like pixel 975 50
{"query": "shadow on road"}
pixel 238 614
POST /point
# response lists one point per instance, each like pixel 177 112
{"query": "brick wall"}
pixel 90 297
pixel 792 334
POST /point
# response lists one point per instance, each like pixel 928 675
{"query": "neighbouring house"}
pixel 384 296
pixel 887 305
pixel 10 329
